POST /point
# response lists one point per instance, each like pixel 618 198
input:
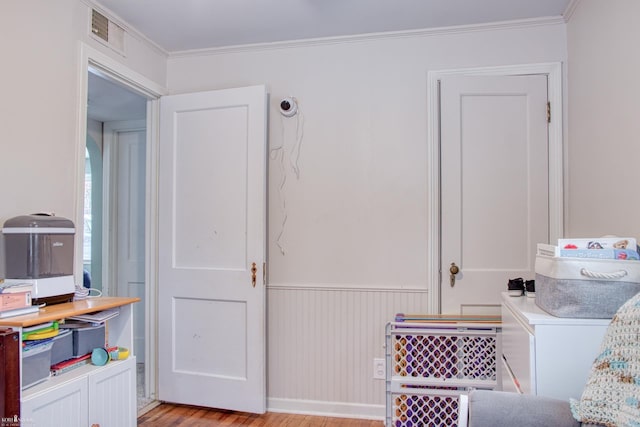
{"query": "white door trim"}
pixel 116 71
pixel 556 158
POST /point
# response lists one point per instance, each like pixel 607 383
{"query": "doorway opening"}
pixel 114 203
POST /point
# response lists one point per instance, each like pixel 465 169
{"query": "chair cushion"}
pixel 612 394
pixel 504 409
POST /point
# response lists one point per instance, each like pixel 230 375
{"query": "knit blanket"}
pixel 612 394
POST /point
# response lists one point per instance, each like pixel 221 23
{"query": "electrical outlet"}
pixel 378 369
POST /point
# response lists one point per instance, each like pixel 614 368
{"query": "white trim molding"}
pixel 326 409
pixel 553 71
pixel 358 38
pixel 113 70
pixel 571 8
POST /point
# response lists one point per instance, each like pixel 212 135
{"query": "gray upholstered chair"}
pixel 611 395
pixel 504 409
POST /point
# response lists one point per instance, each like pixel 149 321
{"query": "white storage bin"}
pixel 584 288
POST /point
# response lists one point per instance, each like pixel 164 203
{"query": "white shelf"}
pixel 527 310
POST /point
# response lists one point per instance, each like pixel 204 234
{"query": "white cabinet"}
pixel 103 396
pixel 112 395
pixel 547 355
pixel 67 401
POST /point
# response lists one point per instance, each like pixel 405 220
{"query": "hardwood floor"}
pixel 190 416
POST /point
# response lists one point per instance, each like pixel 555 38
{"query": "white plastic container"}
pixel 36 364
pixel 584 288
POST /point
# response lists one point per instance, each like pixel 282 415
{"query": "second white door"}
pixel 494 186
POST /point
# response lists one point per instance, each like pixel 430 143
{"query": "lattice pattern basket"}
pixel 430 365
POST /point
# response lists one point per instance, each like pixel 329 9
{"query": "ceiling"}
pixel 186 25
pixel 109 101
pixel 180 25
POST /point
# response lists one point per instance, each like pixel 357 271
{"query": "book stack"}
pixel 16 301
pixel 618 248
pixel 70 364
pixel 98 317
pixel 76 362
pixel 7 288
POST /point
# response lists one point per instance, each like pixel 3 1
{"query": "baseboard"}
pixel 326 409
pixel 149 406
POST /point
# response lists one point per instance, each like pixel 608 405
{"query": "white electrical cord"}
pixel 83 293
pixel 295 151
pixel 279 153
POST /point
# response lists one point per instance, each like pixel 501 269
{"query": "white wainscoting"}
pixel 321 346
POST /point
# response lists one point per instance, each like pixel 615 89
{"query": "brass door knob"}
pixel 453 270
pixel 254 272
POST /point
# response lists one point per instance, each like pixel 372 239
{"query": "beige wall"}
pixel 357 216
pixel 604 119
pixel 39 112
pixel 356 234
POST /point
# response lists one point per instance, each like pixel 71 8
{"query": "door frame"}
pixel 113 70
pixel 553 71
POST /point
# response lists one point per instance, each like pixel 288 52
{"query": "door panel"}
pixel 494 186
pixel 212 189
pixel 208 320
pixel 207 237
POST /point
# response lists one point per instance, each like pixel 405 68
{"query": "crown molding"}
pixel 571 8
pixel 291 44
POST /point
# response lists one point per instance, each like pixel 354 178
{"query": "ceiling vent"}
pixel 107 32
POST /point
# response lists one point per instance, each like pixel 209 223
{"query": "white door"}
pixel 494 186
pixel 212 216
pixel 130 148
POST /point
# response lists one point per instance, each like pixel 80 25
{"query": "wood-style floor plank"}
pixel 166 415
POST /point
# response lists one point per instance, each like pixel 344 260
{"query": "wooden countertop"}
pixel 60 311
